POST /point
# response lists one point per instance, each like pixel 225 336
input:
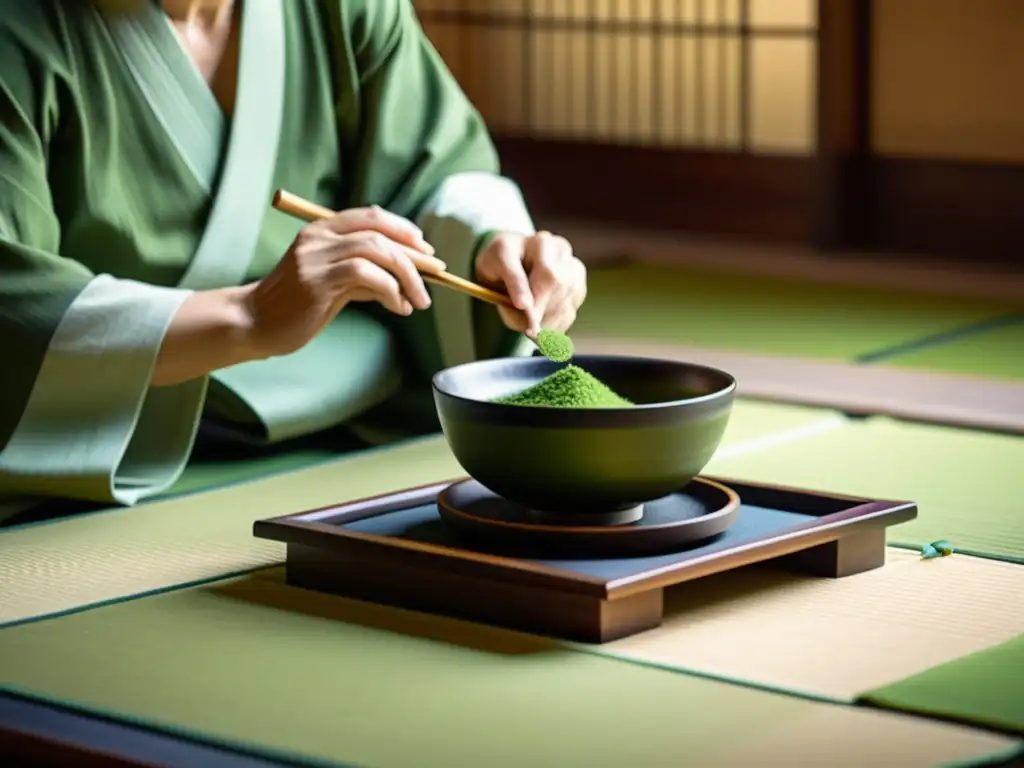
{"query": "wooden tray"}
pixel 395 550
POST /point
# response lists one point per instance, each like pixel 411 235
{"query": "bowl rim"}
pixel 730 388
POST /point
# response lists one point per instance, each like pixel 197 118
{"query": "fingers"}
pixel 541 275
pixel 574 293
pixel 361 279
pixel 517 321
pixel 549 262
pixel 392 226
pixel 562 317
pixel 392 258
pixel 503 265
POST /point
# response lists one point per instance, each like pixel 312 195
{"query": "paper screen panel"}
pixel 782 13
pixel 782 95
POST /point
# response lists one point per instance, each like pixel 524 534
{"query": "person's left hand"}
pixel 540 274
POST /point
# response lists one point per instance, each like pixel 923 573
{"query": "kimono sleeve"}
pixel 422 150
pixel 78 418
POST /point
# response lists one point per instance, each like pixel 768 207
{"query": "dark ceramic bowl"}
pixel 599 460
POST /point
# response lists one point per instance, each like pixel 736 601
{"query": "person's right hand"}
pixel 362 254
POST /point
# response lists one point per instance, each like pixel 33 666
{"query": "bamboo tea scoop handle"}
pixel 294 205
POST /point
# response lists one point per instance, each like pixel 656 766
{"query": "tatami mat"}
pixel 50 568
pixel 202 476
pixel 997 354
pixel 968 485
pixel 390 687
pixel 56 567
pixel 767 315
pixel 305 674
pixel 985 688
pixel 835 637
pixel 912 394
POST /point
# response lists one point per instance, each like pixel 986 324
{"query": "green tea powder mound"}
pixel 568 387
pixel 555 346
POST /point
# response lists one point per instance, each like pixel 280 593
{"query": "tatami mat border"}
pixel 1011 559
pixel 938 339
pixel 170 730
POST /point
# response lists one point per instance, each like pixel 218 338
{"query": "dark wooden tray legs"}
pixel 568 615
pixel 854 553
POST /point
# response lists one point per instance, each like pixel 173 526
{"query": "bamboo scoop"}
pixel 294 205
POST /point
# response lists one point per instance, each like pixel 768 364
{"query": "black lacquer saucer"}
pixel 700 511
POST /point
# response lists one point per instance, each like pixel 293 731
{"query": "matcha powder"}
pixel 555 346
pixel 568 387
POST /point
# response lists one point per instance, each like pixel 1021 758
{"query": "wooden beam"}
pixel 843 180
pixel 961 211
pixel 734 194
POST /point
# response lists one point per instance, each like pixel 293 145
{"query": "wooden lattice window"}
pixel 724 75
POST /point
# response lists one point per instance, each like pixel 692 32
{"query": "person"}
pixel 147 286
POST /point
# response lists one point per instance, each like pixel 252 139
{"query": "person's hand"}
pixel 541 275
pixel 362 254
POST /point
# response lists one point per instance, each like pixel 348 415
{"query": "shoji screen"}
pixel 721 75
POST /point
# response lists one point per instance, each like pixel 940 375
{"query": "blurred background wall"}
pixel 846 124
pixel 948 79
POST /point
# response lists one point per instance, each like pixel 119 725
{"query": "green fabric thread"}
pixel 1012 559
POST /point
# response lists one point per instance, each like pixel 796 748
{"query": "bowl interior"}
pixel 644 381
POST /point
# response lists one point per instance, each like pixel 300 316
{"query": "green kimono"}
pixel 123 187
